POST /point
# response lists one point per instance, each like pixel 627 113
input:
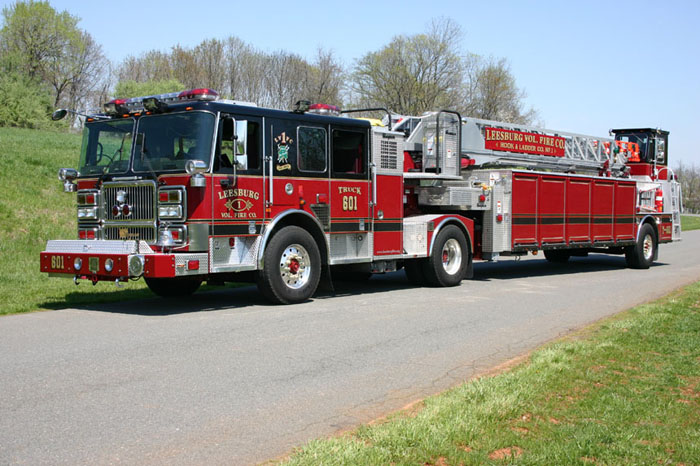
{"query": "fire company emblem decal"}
pixel 283 142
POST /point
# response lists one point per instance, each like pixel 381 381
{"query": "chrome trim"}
pixel 436 231
pixel 654 223
pixel 183 202
pixel 144 205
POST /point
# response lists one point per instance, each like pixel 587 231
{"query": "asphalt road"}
pixel 225 378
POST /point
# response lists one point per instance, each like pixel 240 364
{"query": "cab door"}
pixel 349 196
pixel 238 196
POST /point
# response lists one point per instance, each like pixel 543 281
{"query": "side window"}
pixel 243 149
pixel 311 149
pixel 348 152
pixel 248 144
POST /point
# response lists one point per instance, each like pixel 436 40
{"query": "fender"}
pixel 270 227
pixel 448 221
pixel 648 219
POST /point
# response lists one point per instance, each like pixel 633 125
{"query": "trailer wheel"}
pixel 558 256
pixel 641 255
pixel 292 267
pixel 173 287
pixel 449 260
pixel 414 271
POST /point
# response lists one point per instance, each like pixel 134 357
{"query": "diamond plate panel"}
pixel 181 264
pixel 350 246
pixel 415 238
pixel 97 247
pixel 243 254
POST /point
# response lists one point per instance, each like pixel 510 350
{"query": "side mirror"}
pixel 67 176
pixel 196 168
pixel 59 114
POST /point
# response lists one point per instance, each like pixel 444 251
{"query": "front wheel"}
pixel 449 261
pixel 641 255
pixel 291 268
pixel 173 287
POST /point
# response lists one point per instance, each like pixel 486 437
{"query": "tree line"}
pixel 60 65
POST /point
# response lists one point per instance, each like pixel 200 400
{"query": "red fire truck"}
pixel 186 187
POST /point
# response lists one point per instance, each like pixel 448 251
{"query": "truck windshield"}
pixel 106 147
pixel 167 142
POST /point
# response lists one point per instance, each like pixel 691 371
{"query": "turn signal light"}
pixel 193 265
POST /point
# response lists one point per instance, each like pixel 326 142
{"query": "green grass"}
pixel 34 209
pixel 690 223
pixel 626 391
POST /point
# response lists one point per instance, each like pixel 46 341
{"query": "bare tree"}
pixel 412 74
pixel 492 94
pixel 325 80
pixel 247 68
pixel 689 178
pixel 152 65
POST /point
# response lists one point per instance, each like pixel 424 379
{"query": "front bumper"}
pixel 129 259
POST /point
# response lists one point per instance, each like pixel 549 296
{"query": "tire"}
pixel 450 258
pixel 291 268
pixel 559 256
pixel 173 287
pixel 641 255
pixel 414 271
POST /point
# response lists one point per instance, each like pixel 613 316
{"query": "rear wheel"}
pixel 291 268
pixel 173 287
pixel 641 255
pixel 449 261
pixel 559 256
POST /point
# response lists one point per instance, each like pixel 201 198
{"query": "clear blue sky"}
pixel 586 66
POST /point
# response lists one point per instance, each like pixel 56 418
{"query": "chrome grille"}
pixel 141 196
pixel 142 233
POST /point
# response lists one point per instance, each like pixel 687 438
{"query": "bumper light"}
pixel 136 264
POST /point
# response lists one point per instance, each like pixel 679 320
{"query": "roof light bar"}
pixel 199 94
pixel 116 106
pixel 159 102
pixel 324 109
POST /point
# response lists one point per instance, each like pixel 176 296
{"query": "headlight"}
pixel 170 211
pixel 109 265
pixel 77 263
pixel 87 213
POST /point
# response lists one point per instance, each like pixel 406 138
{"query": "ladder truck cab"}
pixel 186 187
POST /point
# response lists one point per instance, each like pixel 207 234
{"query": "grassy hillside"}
pixel 34 209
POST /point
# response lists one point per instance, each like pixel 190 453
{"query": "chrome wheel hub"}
pixel 451 256
pixel 648 247
pixel 295 267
